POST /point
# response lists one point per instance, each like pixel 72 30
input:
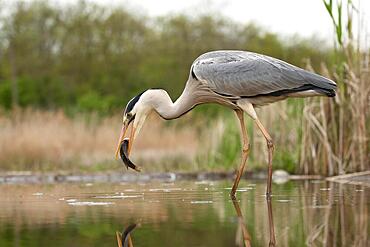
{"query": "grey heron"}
pixel 239 80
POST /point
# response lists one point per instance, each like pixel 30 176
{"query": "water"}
pixel 188 213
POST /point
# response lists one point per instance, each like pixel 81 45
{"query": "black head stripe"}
pixel 131 118
pixel 132 102
pixel 193 74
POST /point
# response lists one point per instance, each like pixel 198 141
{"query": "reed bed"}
pixel 222 145
pixel 39 140
pixel 50 141
pixel 335 132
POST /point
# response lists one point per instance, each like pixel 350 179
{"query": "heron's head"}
pixel 135 113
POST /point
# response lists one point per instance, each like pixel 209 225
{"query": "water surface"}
pixel 184 213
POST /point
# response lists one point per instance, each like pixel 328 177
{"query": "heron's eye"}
pixel 129 115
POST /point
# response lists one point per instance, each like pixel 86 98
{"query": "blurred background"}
pixel 68 68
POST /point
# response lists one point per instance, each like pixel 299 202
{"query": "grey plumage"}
pixel 248 74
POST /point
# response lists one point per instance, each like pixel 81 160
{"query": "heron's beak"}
pixel 132 136
pixel 119 238
pixel 125 126
pixel 121 136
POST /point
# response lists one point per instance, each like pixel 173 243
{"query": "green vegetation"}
pixel 86 57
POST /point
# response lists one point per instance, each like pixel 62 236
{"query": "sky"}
pixel 282 16
pixel 308 18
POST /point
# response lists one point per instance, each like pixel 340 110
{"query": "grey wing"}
pixel 240 73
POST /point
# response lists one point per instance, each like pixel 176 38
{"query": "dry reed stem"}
pixel 335 130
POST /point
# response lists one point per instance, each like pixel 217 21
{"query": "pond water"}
pixel 185 213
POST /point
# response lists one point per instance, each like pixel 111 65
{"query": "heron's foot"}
pixel 270 144
pixel 233 196
pixel 246 147
pixel 268 194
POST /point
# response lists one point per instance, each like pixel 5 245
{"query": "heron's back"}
pixel 250 75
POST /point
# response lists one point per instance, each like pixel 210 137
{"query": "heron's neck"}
pixel 167 109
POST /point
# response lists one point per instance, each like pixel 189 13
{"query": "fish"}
pixel 123 153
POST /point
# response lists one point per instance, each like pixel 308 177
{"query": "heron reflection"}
pixel 124 239
pixel 244 239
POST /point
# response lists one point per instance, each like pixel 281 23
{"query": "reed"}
pixel 335 134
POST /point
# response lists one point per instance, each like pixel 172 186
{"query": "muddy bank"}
pixel 29 177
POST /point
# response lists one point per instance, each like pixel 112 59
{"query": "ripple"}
pixel 90 203
pixel 118 196
pixel 201 202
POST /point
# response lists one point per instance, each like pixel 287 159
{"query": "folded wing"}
pixel 247 74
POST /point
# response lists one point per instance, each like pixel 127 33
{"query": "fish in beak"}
pixel 124 156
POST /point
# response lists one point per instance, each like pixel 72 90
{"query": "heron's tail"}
pixel 321 84
pixel 325 91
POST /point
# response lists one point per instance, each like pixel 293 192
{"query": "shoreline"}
pixel 27 177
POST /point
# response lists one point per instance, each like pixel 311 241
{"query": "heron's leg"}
pixel 271 222
pixel 245 152
pixel 245 233
pixel 270 147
